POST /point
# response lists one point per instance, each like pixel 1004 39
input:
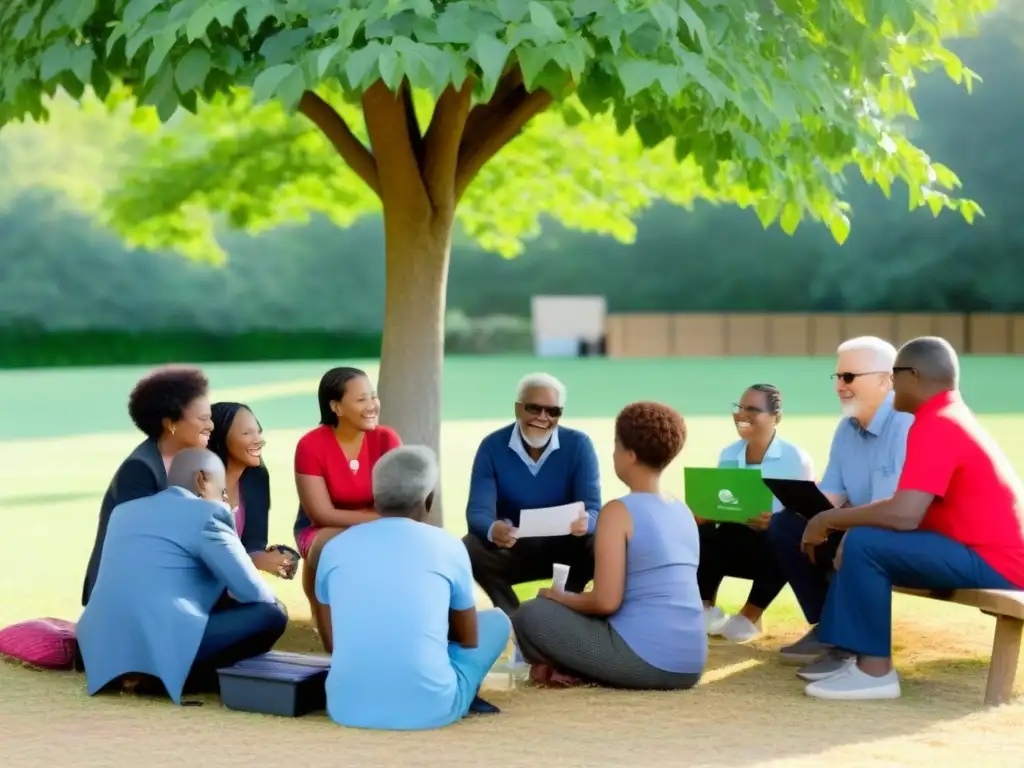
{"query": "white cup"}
pixel 559 575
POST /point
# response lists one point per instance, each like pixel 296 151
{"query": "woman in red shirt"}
pixel 333 473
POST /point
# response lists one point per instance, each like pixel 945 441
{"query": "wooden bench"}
pixel 1008 608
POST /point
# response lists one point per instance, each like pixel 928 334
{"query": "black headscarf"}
pixel 223 417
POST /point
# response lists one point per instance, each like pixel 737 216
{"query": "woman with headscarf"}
pixel 238 440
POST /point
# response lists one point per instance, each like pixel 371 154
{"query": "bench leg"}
pixel 1005 654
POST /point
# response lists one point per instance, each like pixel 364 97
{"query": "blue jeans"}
pixel 858 611
pixel 235 631
pixel 471 665
pixel 809 581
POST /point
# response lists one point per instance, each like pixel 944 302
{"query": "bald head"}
pixel 200 471
pixel 933 358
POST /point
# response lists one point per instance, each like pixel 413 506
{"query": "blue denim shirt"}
pixel 864 465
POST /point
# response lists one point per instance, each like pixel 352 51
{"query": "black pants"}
pixel 736 550
pixel 808 580
pixel 497 570
pixel 235 631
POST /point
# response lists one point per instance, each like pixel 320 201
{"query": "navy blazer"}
pixel 254 488
pixel 141 474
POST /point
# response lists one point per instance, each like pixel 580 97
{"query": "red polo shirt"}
pixel 979 500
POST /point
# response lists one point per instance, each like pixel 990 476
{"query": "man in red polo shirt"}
pixel 955 522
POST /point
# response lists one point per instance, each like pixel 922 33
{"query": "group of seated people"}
pixel 922 497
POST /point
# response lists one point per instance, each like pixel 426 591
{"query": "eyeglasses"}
pixel 753 410
pixel 554 411
pixel 903 369
pixel 848 378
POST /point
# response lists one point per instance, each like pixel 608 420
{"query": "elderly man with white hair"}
pixel 533 463
pixel 410 648
pixel 864 466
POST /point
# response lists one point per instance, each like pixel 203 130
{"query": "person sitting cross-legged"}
pixel 532 463
pixel 410 648
pixel 641 626
pixel 955 522
pixel 176 595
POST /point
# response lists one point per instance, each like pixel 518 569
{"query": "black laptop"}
pixel 800 496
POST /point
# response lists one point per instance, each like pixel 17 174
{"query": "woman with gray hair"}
pixel 410 648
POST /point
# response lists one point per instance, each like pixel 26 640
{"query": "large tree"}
pixel 758 103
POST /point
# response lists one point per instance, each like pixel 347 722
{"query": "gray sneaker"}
pixel 806 650
pixel 832 661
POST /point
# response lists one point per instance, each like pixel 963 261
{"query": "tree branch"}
pixel 499 123
pixel 387 123
pixel 412 124
pixel 443 139
pixel 333 126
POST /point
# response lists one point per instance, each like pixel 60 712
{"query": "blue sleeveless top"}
pixel 661 617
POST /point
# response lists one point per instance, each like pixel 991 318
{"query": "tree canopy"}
pixel 763 103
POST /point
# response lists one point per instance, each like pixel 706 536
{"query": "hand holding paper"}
pixel 550 521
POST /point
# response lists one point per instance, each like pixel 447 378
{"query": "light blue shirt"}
pixel 516 444
pixel 864 465
pixel 783 461
pixel 390 585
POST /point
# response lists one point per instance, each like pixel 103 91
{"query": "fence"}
pixel 708 335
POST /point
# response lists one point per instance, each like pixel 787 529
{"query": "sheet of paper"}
pixel 549 521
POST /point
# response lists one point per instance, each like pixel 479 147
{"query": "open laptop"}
pixel 800 496
pixel 726 495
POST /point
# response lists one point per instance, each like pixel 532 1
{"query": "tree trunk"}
pixel 416 264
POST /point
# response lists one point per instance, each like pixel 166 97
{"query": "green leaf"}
pixel 200 21
pixel 532 62
pixel 638 75
pixel 192 69
pixel 839 225
pixel 491 54
pixel 280 48
pixel 25 23
pixel 137 10
pixel 361 63
pixel 390 71
pixel 545 21
pixel 792 213
pixel 513 11
pixel 695 25
pixel 455 25
pixel 162 46
pixel 326 58
pixel 267 82
pixel 82 59
pixel 56 59
pixel 666 17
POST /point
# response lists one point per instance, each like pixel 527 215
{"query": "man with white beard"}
pixel 864 465
pixel 533 463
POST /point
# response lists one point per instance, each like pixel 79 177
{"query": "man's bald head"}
pixel 200 471
pixel 924 368
pixel 933 358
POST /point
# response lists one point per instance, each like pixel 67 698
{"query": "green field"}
pixel 64 432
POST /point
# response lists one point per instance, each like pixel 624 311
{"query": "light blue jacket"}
pixel 167 559
pixel 782 461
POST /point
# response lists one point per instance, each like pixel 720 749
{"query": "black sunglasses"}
pixel 848 378
pixel 554 411
pixel 903 369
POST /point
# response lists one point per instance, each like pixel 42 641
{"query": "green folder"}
pixel 726 494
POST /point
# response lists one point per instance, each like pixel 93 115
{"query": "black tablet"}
pixel 800 496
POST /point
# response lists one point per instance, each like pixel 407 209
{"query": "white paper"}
pixel 549 521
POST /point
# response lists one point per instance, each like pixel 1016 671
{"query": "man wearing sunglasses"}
pixel 956 521
pixel 533 463
pixel 864 465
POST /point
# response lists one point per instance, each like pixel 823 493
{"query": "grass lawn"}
pixel 64 432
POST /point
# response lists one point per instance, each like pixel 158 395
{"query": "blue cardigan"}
pixel 502 484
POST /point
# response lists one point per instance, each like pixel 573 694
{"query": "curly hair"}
pixel 164 394
pixel 332 388
pixel 654 432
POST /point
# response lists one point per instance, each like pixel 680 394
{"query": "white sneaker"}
pixel 714 619
pixel 852 684
pixel 739 629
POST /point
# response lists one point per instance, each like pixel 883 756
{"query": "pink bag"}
pixel 47 643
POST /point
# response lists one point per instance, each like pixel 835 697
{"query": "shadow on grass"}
pixel 42 499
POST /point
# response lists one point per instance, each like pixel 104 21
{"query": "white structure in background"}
pixel 561 324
